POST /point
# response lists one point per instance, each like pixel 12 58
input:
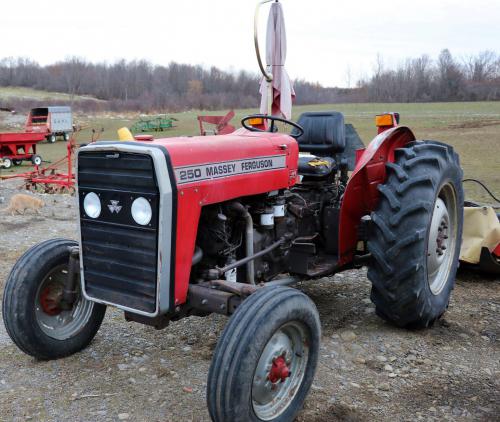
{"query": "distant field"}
pixel 34 94
pixel 472 128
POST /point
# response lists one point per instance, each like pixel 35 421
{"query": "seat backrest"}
pixel 324 132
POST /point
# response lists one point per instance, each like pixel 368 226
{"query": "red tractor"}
pixel 225 224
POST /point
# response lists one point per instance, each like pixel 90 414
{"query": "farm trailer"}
pixel 51 121
pixel 17 147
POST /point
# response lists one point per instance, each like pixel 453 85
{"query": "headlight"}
pixel 92 205
pixel 141 211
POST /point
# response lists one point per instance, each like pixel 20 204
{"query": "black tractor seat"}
pixel 317 167
pixel 323 138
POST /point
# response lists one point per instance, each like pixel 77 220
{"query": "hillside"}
pixel 22 93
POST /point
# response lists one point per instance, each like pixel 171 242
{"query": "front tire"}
pixel 416 236
pixel 265 360
pixel 31 312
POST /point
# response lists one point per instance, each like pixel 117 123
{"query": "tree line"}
pixel 142 86
pixel 472 78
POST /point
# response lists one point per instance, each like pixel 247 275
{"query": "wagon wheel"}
pixel 7 163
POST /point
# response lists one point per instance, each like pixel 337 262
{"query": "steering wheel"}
pixel 272 127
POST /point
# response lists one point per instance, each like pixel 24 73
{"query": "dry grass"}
pixel 35 94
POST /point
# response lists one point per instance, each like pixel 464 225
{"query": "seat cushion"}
pixel 316 167
pixel 324 133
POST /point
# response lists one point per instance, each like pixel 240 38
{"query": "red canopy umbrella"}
pixel 281 86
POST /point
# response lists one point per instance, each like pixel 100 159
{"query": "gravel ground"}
pixel 368 370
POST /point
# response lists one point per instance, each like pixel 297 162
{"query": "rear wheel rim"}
pixel 55 322
pixel 284 361
pixel 442 242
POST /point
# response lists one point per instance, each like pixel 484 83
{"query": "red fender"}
pixel 361 194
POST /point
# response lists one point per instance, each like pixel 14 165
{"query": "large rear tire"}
pixel 265 360
pixel 416 236
pixel 31 312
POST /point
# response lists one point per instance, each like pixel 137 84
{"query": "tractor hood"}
pixel 199 159
pixel 178 177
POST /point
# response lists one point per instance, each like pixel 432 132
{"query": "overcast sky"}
pixel 325 37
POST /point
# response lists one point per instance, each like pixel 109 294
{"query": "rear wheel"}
pixel 265 361
pixel 17 162
pixel 36 160
pixel 417 229
pixel 51 139
pixel 32 311
pixel 66 137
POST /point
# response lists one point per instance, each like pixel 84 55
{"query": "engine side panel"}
pixel 214 169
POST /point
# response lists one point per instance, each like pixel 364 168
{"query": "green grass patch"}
pixel 472 128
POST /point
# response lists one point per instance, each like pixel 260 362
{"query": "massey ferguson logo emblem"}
pixel 114 207
pixel 189 174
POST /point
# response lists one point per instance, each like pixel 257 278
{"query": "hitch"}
pixel 69 294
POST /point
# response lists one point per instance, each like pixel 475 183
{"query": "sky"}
pixel 331 42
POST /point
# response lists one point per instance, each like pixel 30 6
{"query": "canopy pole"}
pixel 268 76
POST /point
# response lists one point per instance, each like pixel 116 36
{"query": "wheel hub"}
pixel 441 242
pixel 54 321
pixel 280 371
pixel 50 298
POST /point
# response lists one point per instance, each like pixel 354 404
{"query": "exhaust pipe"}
pixel 243 212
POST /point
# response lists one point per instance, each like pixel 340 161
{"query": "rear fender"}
pixel 361 194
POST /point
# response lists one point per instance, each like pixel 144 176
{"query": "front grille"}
pixel 119 256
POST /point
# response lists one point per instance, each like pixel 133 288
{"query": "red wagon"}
pixel 17 147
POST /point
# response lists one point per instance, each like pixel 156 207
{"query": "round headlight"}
pixel 92 205
pixel 141 211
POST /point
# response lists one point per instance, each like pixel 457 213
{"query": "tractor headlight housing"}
pixel 141 211
pixel 92 205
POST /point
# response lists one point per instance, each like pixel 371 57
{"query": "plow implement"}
pixel 50 179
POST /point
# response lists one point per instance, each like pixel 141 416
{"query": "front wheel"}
pixel 265 361
pixel 7 163
pixel 416 236
pixel 31 309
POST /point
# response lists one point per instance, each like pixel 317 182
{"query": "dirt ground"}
pixel 368 370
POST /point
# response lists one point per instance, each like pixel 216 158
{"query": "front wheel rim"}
pixel 442 241
pixel 280 370
pixel 55 322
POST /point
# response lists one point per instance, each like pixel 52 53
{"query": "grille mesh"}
pixel 119 256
